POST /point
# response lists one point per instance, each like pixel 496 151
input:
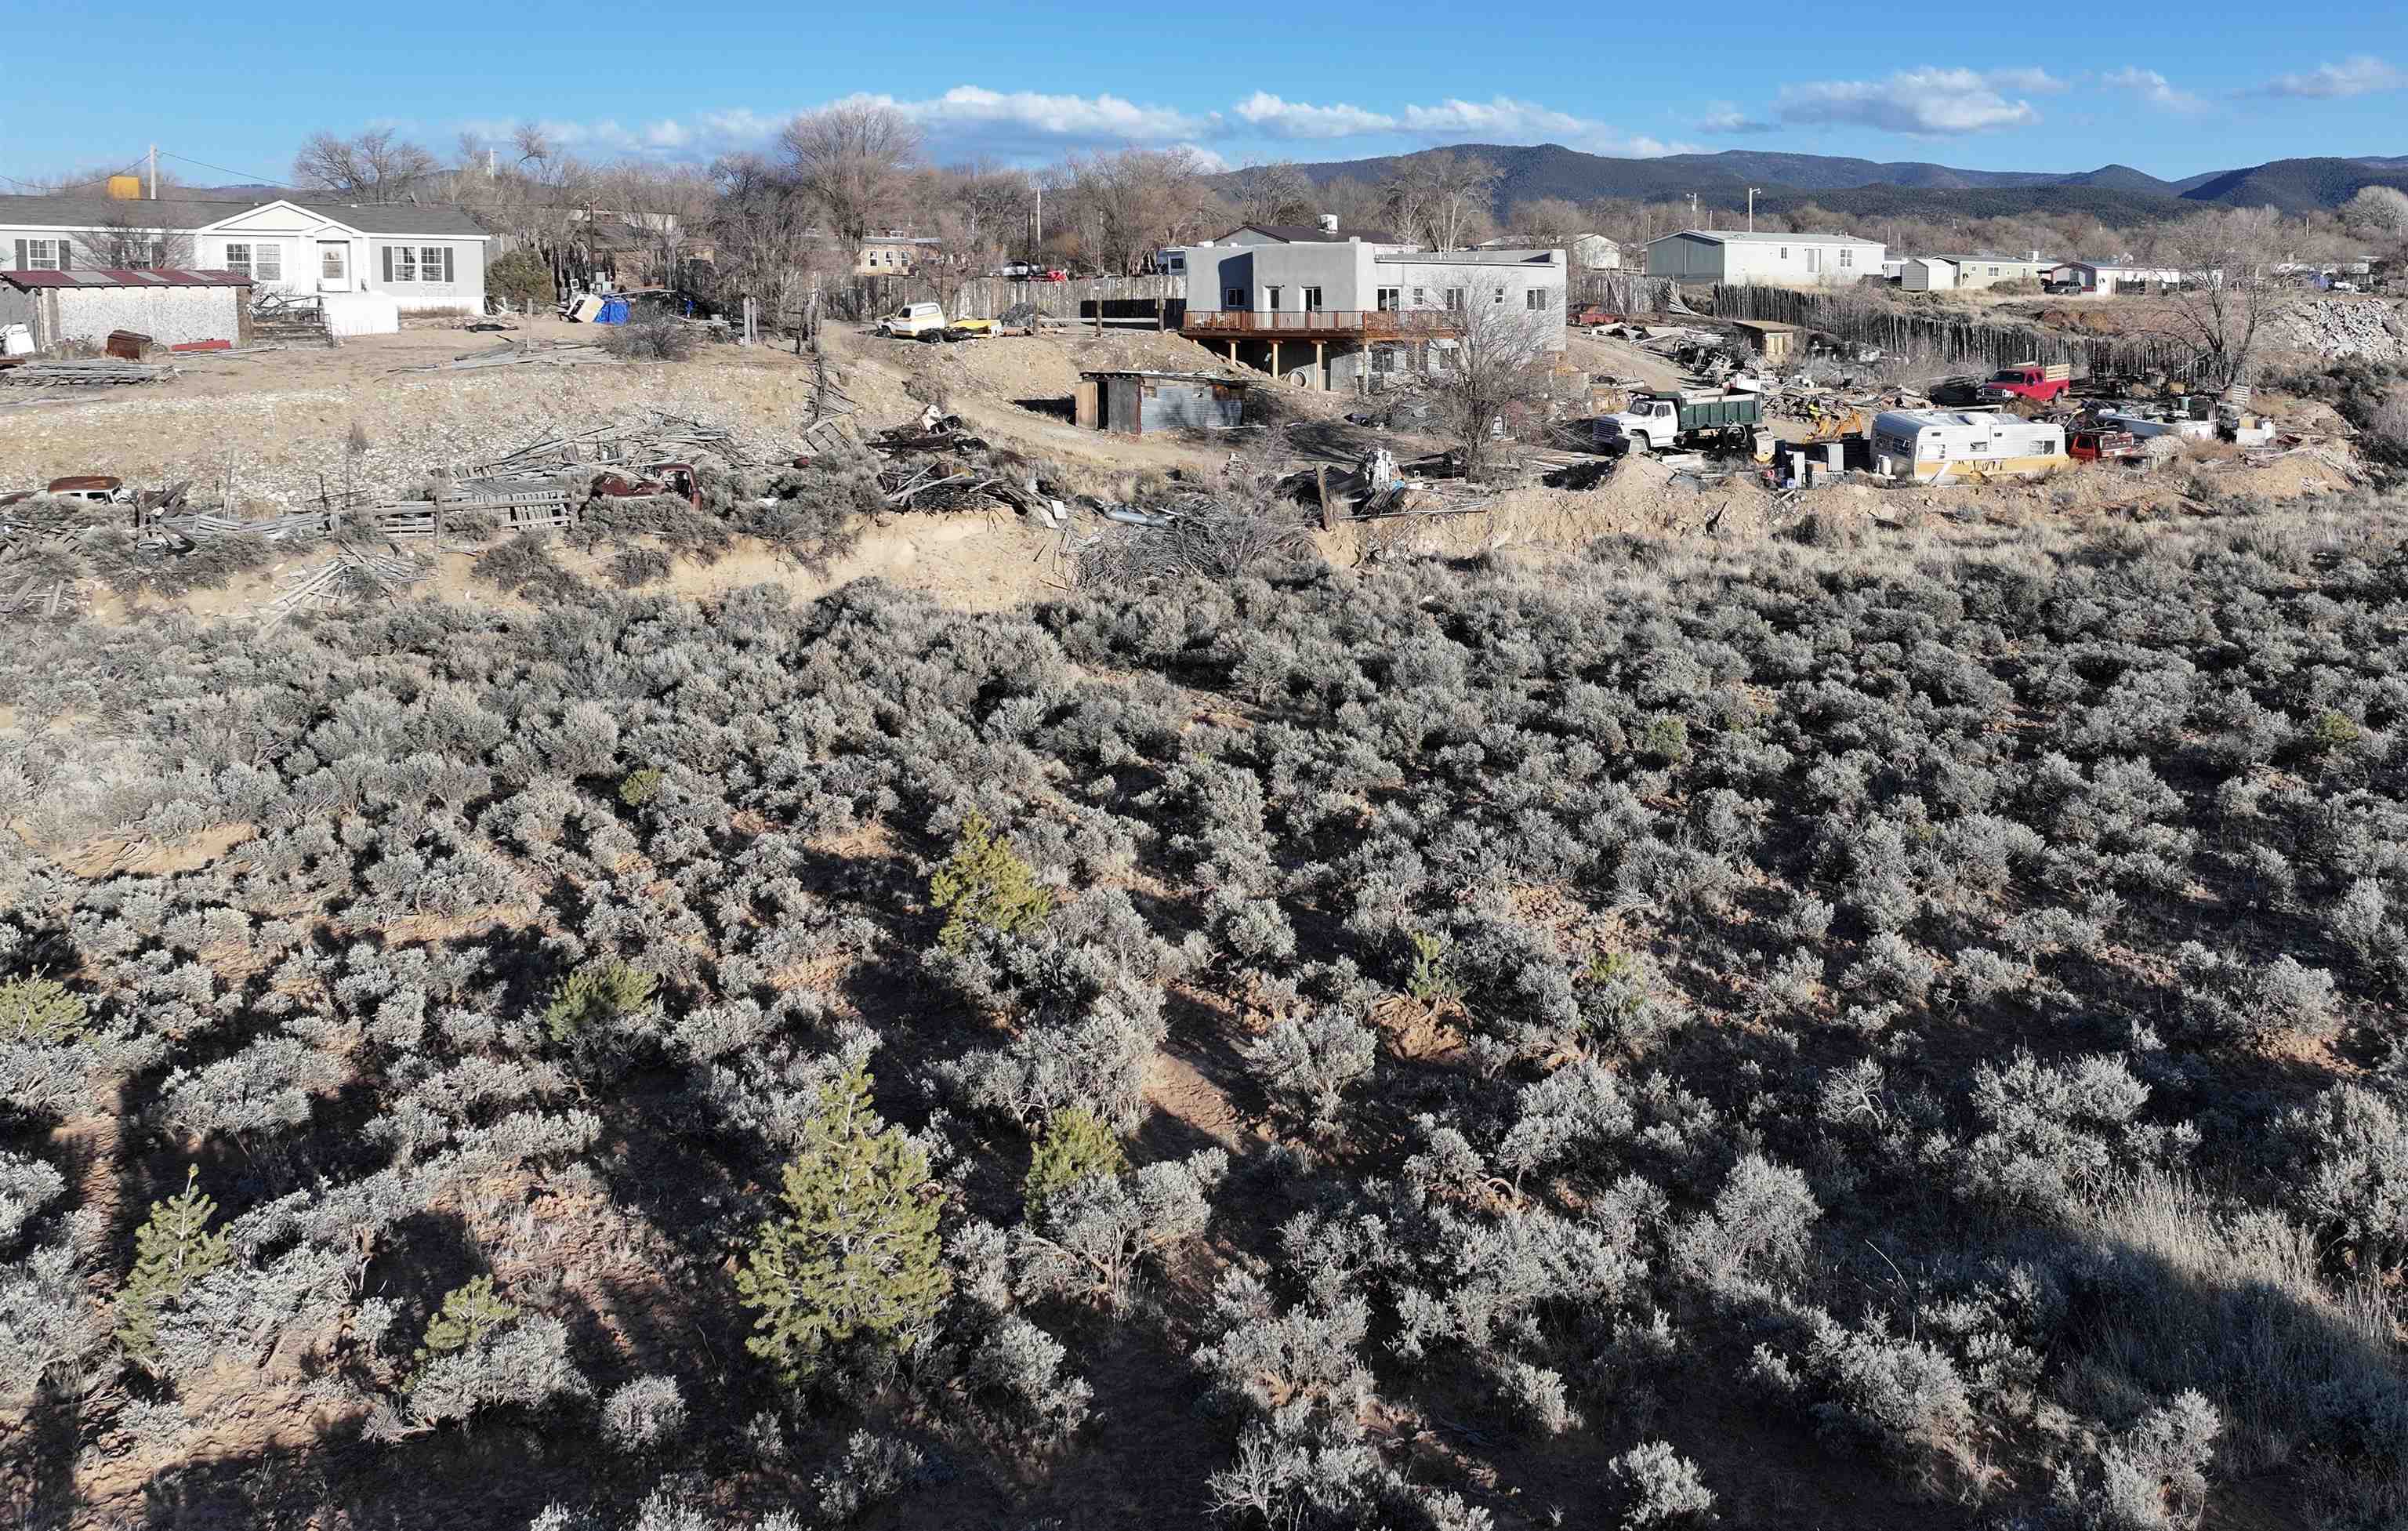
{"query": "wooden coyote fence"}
pixel 1948 341
pixel 990 297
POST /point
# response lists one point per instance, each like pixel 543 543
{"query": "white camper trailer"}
pixel 1946 446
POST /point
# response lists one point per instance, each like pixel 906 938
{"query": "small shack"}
pixel 173 308
pixel 1775 341
pixel 1134 403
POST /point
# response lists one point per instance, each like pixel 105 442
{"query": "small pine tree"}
pixel 1431 981
pixel 597 992
pixel 469 1314
pixel 857 1252
pixel 39 1009
pixel 640 786
pixel 171 1251
pixel 1076 1145
pixel 984 882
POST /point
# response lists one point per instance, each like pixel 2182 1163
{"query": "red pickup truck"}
pixel 2041 384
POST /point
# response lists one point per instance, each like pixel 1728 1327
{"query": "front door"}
pixel 334 266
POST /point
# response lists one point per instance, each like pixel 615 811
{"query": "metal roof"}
pixel 1314 233
pixel 120 276
pixel 1743 236
pixel 188 212
pixel 1166 377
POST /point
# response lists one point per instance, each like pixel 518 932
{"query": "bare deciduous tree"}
pixel 1551 222
pixel 1276 192
pixel 1442 198
pixel 378 160
pixel 125 238
pixel 762 236
pixel 2229 288
pixel 1496 360
pixel 1134 201
pixel 850 160
pixel 2377 209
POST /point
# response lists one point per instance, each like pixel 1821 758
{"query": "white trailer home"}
pixel 1769 260
pixel 1943 445
pixel 366 262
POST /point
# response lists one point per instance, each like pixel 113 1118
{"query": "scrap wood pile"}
pixel 521 353
pixel 660 438
pixel 98 372
pixel 353 574
pixel 935 464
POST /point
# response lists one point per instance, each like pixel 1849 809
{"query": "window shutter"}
pixel 388 263
pixel 447 263
pixel 20 254
pixel 63 242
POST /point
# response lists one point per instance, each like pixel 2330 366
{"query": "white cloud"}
pixel 1927 103
pixel 2036 80
pixel 2360 75
pixel 1726 117
pixel 2155 89
pixel 1302 120
pixel 971 119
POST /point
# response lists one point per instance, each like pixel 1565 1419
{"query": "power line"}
pixel 53 191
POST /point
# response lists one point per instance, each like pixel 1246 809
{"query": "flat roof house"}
pixel 366 261
pixel 1324 313
pixel 1773 259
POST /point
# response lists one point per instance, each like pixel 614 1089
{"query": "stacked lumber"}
pixel 350 575
pixel 97 372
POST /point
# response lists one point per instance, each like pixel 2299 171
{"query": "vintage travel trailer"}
pixel 1941 446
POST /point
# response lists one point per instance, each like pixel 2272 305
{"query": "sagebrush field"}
pixel 1866 1033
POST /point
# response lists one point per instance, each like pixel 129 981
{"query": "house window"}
pixel 1500 296
pixel 1784 252
pixel 1312 300
pixel 267 262
pixel 434 262
pixel 1848 258
pixel 405 264
pixel 1387 299
pixel 1454 296
pixel 330 261
pixel 1535 297
pixel 43 254
pixel 1421 297
pixel 1271 298
pixel 1233 298
pixel 237 258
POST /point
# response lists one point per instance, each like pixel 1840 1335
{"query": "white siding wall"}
pixel 465 289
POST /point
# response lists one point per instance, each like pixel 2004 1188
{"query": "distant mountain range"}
pixel 1874 189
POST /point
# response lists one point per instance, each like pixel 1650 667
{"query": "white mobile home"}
pixel 377 258
pixel 1941 446
pixel 1773 260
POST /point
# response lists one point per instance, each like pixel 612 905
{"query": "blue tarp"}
pixel 614 311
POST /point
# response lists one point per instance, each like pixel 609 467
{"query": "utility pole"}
pixel 1039 243
pixel 1750 207
pixel 1693 209
pixel 154 172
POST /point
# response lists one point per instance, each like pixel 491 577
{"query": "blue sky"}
pixel 2173 92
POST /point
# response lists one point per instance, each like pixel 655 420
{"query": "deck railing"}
pixel 1324 323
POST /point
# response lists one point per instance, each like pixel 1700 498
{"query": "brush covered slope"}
pixel 1857 1035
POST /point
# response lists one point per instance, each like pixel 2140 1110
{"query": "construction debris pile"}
pixel 2338 327
pixel 525 352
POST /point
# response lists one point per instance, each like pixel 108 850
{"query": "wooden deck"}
pixel 1323 324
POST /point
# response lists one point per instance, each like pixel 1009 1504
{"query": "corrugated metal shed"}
pixel 120 276
pixel 1133 403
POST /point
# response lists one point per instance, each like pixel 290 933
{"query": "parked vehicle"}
pixel 1946 446
pixel 1655 421
pixel 913 319
pixel 2037 383
pixel 2097 443
pixel 927 322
